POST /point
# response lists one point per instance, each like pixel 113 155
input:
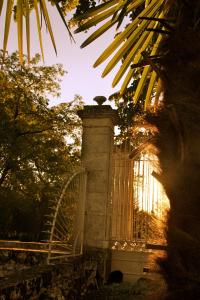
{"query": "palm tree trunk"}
pixel 178 123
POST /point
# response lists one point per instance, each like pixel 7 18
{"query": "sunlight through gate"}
pixel 139 204
pixel 66 223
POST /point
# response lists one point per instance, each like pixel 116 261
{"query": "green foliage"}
pixel 131 118
pixel 35 156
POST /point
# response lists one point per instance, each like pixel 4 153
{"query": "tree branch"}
pixel 34 132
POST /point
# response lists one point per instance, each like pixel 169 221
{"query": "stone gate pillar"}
pixel 97 145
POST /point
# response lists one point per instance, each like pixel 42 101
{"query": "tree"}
pixel 35 157
pixel 176 63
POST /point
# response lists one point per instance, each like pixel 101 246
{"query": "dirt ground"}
pixel 143 289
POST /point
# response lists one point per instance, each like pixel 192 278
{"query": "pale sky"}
pixel 82 78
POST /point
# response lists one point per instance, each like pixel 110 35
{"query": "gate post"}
pixel 97 145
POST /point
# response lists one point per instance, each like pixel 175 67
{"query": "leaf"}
pixel 146 71
pixel 150 89
pixel 141 84
pixel 151 9
pixel 98 33
pixel 38 26
pixel 147 2
pixel 136 60
pixel 126 63
pixel 128 44
pixel 20 28
pixel 28 29
pixel 94 21
pixel 96 10
pixel 63 19
pixel 123 12
pixel 124 49
pixel 137 3
pixel 128 78
pixel 1 6
pixel 46 16
pixel 7 23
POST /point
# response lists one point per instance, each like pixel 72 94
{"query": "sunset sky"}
pixel 82 78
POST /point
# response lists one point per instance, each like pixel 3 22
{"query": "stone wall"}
pixel 25 276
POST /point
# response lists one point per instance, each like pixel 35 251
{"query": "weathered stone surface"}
pixel 97 182
pixel 96 112
pixel 94 161
pixel 94 204
pixel 98 135
pixel 60 281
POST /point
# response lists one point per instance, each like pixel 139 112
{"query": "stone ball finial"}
pixel 100 99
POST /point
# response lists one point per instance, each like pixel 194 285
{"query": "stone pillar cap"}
pixel 99 112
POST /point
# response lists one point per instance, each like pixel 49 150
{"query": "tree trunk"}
pixel 179 150
pixel 4 173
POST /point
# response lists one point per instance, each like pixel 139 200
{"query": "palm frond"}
pixel 150 90
pixel 28 30
pixel 47 19
pixel 96 10
pixel 98 32
pixel 138 36
pixel 64 21
pixel 146 71
pixel 9 8
pixel 38 27
pixel 23 10
pixel 1 6
pixel 19 20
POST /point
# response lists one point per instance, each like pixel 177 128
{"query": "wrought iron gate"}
pixel 66 223
pixel 139 204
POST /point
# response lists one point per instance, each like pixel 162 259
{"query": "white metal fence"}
pixel 66 222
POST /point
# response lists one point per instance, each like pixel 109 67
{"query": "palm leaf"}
pixel 146 71
pixel 130 43
pixel 27 29
pixel 1 6
pixel 123 35
pixel 96 10
pixel 141 84
pixel 126 34
pixel 7 23
pixel 94 21
pixel 98 32
pixel 127 46
pixel 150 89
pixel 147 2
pixel 23 9
pixel 129 58
pixel 128 78
pixel 123 12
pixel 46 16
pixel 136 60
pixel 38 27
pixel 63 19
pixel 20 28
